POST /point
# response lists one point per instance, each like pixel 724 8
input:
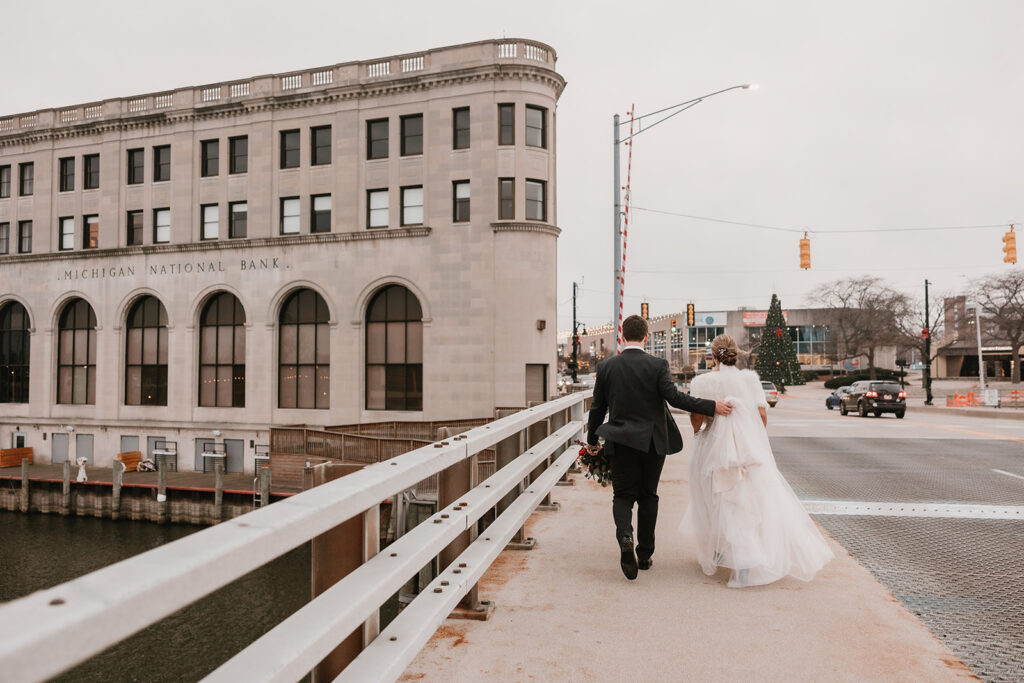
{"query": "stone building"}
pixel 363 242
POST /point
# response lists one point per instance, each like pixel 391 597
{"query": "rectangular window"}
pixel 290 216
pixel 5 182
pixel 91 233
pixel 412 205
pixel 535 200
pixel 321 216
pixel 536 130
pixel 161 163
pixel 210 158
pixel 24 237
pixel 377 208
pixel 26 179
pixel 67 174
pixel 507 199
pixel 506 124
pixel 412 135
pixel 136 166
pixel 5 239
pixel 161 226
pixel 134 224
pixel 377 139
pixel 460 201
pixel 238 217
pixel 239 149
pixel 289 149
pixel 460 128
pixel 211 221
pixel 91 171
pixel 67 234
pixel 320 145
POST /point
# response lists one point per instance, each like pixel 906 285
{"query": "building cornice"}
pixel 501 60
pixel 223 245
pixel 514 226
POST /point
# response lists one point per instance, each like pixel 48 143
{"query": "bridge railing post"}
pixel 336 554
pixel 453 483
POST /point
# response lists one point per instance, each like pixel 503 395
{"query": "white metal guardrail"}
pixel 91 613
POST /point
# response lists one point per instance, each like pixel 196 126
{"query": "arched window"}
pixel 13 353
pixel 145 376
pixel 76 354
pixel 304 359
pixel 394 351
pixel 222 352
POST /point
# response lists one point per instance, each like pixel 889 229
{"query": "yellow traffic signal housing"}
pixel 805 252
pixel 1010 247
pixel 673 324
pixel 644 310
pixel 691 315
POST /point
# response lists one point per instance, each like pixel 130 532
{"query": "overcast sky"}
pixel 879 114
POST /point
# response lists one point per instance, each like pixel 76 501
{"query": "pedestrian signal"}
pixel 1010 247
pixel 691 315
pixel 644 308
pixel 673 324
pixel 805 252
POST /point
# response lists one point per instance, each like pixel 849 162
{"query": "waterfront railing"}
pixel 50 631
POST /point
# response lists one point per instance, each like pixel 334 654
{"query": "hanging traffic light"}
pixel 1010 247
pixel 673 324
pixel 805 252
pixel 644 308
pixel 691 315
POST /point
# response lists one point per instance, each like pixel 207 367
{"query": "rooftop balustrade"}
pixel 339 76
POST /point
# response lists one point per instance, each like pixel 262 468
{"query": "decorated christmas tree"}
pixel 776 357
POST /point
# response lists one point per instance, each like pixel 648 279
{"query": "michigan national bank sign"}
pixel 172 269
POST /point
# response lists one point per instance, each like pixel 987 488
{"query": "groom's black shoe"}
pixel 628 558
pixel 645 564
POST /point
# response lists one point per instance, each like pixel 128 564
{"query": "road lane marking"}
pixel 974 432
pixel 884 509
pixel 1009 474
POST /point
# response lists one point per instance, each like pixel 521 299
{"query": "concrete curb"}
pixel 993 413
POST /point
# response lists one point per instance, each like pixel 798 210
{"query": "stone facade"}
pixel 486 286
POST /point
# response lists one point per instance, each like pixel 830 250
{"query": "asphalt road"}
pixel 932 505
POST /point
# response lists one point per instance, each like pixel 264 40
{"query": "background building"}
pixel 958 355
pixel 321 247
pixel 690 345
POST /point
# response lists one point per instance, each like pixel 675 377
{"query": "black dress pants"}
pixel 635 476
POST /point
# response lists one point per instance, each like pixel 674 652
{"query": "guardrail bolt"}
pixel 393 638
pixel 463 564
pixel 444 583
pixel 444 516
pixel 456 571
pixel 438 590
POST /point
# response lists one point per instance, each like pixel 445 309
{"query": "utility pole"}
pixel 617 250
pixel 575 339
pixel 927 348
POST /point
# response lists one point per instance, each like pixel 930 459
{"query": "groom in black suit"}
pixel 632 389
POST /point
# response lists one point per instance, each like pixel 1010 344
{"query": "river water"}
pixel 40 551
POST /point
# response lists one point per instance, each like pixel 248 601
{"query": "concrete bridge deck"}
pixel 564 612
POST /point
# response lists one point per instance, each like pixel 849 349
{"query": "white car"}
pixel 771 394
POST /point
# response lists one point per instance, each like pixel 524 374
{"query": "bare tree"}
pixel 863 315
pixel 1001 298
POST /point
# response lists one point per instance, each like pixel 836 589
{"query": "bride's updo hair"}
pixel 725 350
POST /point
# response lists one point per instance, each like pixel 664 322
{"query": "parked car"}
pixel 874 397
pixel 771 394
pixel 836 396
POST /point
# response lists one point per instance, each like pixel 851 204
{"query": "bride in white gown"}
pixel 742 511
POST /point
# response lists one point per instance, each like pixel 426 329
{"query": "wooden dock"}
pixel 190 497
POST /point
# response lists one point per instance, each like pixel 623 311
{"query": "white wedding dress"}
pixel 742 511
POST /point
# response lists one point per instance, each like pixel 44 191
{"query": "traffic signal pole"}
pixel 927 349
pixel 575 339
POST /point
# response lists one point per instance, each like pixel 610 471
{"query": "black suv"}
pixel 874 397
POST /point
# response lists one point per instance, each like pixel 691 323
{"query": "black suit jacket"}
pixel 632 389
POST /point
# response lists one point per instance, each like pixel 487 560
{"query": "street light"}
pixel 668 112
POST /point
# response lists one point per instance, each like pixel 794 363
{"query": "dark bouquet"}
pixel 595 466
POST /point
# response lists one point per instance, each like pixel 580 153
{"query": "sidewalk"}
pixel 564 612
